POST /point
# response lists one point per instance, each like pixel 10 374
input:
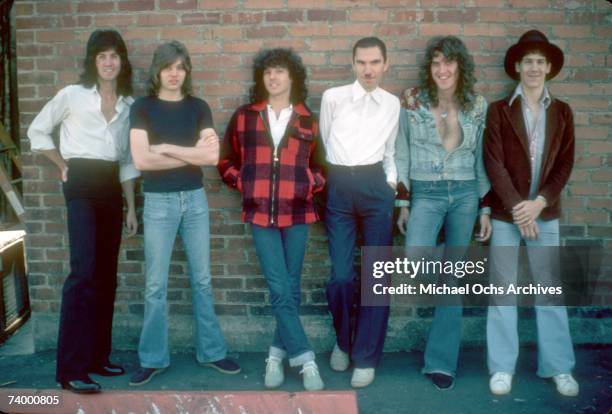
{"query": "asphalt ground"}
pixel 399 386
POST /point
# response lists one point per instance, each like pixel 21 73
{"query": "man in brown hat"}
pixel 529 155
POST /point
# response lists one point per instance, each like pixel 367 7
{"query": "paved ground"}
pixel 399 387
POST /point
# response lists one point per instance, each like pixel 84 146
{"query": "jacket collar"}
pixel 299 108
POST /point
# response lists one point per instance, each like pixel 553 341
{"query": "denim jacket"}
pixel 419 154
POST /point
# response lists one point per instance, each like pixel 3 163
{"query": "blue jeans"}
pixel 454 205
pixel 358 199
pixel 281 255
pixel 165 215
pixel 555 351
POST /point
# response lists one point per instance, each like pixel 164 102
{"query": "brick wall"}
pixel 222 36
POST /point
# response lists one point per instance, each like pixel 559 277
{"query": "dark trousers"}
pixel 88 296
pixel 358 199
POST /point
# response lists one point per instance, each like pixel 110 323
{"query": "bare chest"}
pixel 448 127
pixel 108 107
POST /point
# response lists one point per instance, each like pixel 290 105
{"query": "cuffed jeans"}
pixel 281 255
pixel 357 198
pixel 555 351
pixel 454 205
pixel 165 215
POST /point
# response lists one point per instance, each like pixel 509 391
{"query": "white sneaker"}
pixel 310 377
pixel 339 360
pixel 500 383
pixel 274 372
pixel 566 385
pixel 362 377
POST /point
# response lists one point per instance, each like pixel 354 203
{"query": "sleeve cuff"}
pixel 128 172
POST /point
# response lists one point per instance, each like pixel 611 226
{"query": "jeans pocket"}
pixel 156 206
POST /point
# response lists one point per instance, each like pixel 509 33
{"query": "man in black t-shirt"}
pixel 172 136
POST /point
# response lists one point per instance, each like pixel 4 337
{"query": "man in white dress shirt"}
pixel 94 164
pixel 359 123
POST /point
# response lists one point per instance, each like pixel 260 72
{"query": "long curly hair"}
pixel 453 49
pixel 101 41
pixel 279 57
pixel 165 55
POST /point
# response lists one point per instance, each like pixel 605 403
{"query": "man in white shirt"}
pixel 359 123
pixel 94 164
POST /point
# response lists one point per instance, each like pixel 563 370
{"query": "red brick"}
pixel 135 5
pixel 368 15
pixel 426 4
pixel 588 189
pixel 35 22
pixel 51 36
pixel 263 4
pixel 597 119
pixel 456 16
pixel 53 7
pixel 262 32
pixel 600 147
pixel 24 37
pixel 572 31
pixel 178 4
pixel 354 29
pixel 115 20
pixel 434 29
pixel 76 21
pixel 587 46
pixel 285 16
pixel 242 18
pixel 426 16
pixel 306 3
pixel 550 17
pixel 326 15
pixel 95 7
pixel 23 9
pixel 156 19
pixel 179 33
pixel 308 30
pixel 484 30
pixel 590 133
pixel 217 4
pixel 389 30
pixel 602 175
pixel 588 217
pixel 227 33
pixel 330 44
pixel 296 44
pixel 243 46
pixel 530 4
pixel 500 16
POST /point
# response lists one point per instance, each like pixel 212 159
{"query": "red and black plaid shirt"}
pixel 277 191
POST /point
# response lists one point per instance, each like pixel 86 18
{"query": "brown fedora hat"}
pixel 530 40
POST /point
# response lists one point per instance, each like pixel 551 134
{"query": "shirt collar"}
pixel 284 110
pixel 359 92
pixel 544 99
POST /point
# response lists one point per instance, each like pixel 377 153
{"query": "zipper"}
pixel 275 161
pixel 274 167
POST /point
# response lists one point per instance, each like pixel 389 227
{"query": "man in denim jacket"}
pixel 440 169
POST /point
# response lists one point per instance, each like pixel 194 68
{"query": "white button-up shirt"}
pixel 279 125
pixel 360 127
pixel 84 131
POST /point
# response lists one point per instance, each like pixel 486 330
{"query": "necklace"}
pixel 443 115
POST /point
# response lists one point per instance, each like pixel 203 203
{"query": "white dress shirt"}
pixel 84 131
pixel 360 127
pixel 279 125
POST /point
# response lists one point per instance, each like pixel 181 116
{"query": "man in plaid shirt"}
pixel 272 155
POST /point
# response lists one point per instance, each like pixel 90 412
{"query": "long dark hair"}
pixel 453 49
pixel 101 41
pixel 164 56
pixel 279 57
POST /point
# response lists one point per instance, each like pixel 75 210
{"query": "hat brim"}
pixel 517 51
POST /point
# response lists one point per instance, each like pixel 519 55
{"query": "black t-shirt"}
pixel 171 122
